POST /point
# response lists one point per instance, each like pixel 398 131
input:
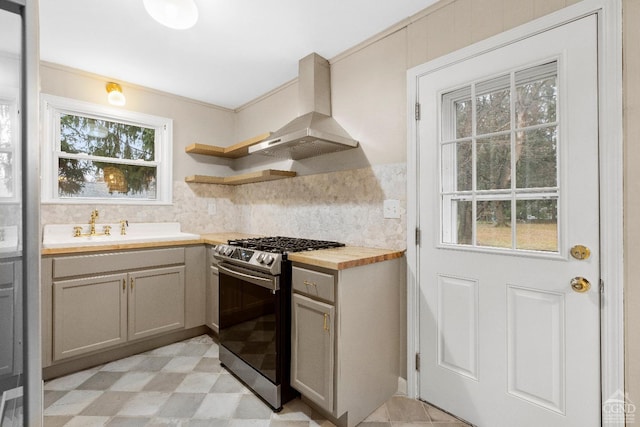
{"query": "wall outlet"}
pixel 211 207
pixel 391 208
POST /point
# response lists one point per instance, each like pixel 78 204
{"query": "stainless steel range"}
pixel 255 312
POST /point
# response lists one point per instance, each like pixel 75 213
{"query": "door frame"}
pixel 610 161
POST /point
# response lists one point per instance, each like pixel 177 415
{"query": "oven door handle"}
pixel 269 283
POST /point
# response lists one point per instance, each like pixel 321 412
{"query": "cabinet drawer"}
pixel 314 283
pixel 116 261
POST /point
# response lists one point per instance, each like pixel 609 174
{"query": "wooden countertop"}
pixel 334 259
pixel 221 238
pixel 345 257
pixel 118 247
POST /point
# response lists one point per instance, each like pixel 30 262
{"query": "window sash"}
pixel 53 108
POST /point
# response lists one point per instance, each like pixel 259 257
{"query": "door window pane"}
pixel 536 102
pixel 493 108
pixel 6 175
pixel 493 223
pixel 460 216
pixel 464 119
pixel 498 153
pixel 457 163
pixel 493 162
pixel 537 225
pixel 537 162
pixel 5 125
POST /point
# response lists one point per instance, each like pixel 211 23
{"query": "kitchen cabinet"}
pixel 345 340
pixel 100 311
pixel 96 302
pixel 313 344
pixel 212 306
pixel 10 315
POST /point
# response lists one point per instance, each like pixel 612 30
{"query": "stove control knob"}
pixel 268 259
pixel 228 251
pixel 260 258
pixel 218 249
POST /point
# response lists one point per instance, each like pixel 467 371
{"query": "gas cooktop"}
pixel 283 245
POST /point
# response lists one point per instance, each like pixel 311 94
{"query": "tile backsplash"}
pixel 345 206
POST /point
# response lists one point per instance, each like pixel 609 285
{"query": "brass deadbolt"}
pixel 580 252
pixel 580 284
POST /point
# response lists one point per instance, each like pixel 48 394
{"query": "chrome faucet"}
pixel 92 222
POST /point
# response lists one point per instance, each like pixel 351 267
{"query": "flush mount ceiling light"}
pixel 176 14
pixel 115 97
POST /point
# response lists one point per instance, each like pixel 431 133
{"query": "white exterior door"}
pixel 508 181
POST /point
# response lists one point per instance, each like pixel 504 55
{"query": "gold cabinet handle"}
pixel 124 284
pixel 132 284
pixel 326 322
pixel 307 283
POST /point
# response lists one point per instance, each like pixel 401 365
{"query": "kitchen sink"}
pixel 62 235
pixel 9 238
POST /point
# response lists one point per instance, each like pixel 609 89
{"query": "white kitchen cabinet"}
pixel 345 337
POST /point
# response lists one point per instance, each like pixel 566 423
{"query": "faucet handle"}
pixel 107 230
pixel 77 231
pixel 123 226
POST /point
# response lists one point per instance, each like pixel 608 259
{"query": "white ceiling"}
pixel 238 50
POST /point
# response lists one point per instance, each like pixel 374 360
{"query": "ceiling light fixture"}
pixel 115 97
pixel 176 14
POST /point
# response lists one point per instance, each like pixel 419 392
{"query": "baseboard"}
pixel 402 386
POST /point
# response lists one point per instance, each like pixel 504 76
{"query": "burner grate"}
pixel 280 244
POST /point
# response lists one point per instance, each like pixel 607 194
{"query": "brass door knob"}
pixel 580 284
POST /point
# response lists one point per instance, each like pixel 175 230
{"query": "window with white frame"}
pixel 98 154
pixel 8 154
pixel 499 170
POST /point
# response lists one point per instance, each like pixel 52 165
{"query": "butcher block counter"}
pixel 334 259
pixel 344 257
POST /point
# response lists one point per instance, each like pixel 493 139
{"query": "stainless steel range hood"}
pixel 315 132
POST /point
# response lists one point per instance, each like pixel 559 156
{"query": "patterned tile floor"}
pixel 183 384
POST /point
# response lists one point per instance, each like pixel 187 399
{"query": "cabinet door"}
pixel 6 330
pixel 156 301
pixel 212 299
pixel 88 314
pixel 8 318
pixel 312 353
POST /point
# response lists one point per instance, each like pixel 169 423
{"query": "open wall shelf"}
pixel 247 178
pixel 235 151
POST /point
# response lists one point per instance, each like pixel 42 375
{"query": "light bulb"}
pixel 115 97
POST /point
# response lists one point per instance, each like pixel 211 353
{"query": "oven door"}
pixel 250 312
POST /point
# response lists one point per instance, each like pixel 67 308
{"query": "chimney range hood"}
pixel 315 132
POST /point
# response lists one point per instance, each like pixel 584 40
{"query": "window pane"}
pixel 493 223
pixel 463 118
pixel 493 163
pixel 493 112
pixel 458 216
pixel 85 178
pixel 536 102
pixel 96 137
pixel 6 175
pixel 5 126
pixel 538 162
pixel 537 225
pixel 457 166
